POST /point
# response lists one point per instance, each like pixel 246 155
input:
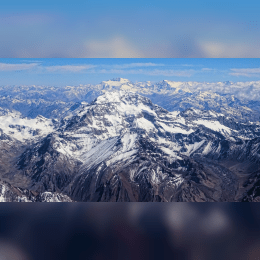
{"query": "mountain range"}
pixel 124 141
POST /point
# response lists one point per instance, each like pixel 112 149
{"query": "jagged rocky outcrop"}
pixel 45 167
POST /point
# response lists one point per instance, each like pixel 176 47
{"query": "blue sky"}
pixel 65 71
pixel 129 29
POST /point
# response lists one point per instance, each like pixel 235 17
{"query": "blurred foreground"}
pixel 130 231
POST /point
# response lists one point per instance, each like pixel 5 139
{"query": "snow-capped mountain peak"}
pixel 124 141
pixel 121 96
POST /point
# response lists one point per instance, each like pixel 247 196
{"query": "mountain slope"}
pixel 122 147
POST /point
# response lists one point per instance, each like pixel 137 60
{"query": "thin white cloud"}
pixel 17 67
pixel 79 68
pixel 68 68
pixel 169 73
pixel 136 65
pixel 207 69
pixel 131 68
pixel 247 72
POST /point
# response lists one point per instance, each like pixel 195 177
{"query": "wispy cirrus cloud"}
pixel 145 68
pixel 136 65
pixel 246 72
pixel 120 68
pixel 17 67
pixel 170 73
pixel 207 69
pixel 69 68
pixel 129 68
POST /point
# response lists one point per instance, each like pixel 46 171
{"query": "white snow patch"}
pixel 23 128
pixel 207 148
pixel 108 97
pixel 173 113
pixel 180 120
pixel 144 124
pixel 170 152
pixel 191 148
pixel 2 195
pixel 119 156
pixel 212 114
pixel 175 129
pixel 247 108
pixel 214 125
pixel 128 141
pixel 154 177
pixel 219 148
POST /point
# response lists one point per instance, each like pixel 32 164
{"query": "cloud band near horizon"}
pixel 141 68
pixel 129 29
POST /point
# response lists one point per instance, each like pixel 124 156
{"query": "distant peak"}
pixel 120 80
pixel 177 85
pixel 228 82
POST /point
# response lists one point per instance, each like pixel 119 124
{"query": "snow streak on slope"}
pixel 214 125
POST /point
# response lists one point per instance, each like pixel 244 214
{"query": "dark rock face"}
pixel 47 169
pixel 121 147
